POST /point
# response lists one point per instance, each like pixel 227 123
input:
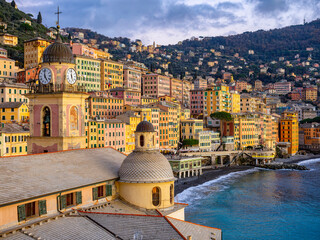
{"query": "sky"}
pixel 170 21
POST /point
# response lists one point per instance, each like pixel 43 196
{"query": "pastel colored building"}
pixel 155 85
pixel 200 83
pixel 7 66
pixel 186 88
pixel 14 112
pixel 115 134
pixel 129 96
pixel 111 75
pixel 13 139
pixel 33 51
pixel 88 73
pixel 8 39
pixel 217 99
pixel 310 94
pixel 289 131
pixel 13 92
pixel 147 100
pixel 104 106
pixel 209 140
pixel 84 50
pixel 196 102
pixel 310 133
pixel 283 87
pixel 190 128
pixel 176 89
pixel 131 78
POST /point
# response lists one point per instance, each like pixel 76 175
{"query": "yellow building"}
pixel 147 100
pixel 89 73
pixel 111 74
pixel 131 120
pixel 7 66
pixel 13 139
pixel 246 130
pixel 14 112
pixel 289 131
pixel 190 128
pixel 33 50
pixel 13 92
pixel 252 104
pixel 235 101
pixel 217 99
pixel 8 39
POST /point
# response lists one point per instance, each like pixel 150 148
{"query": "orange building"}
pixel 289 131
pixel 104 106
pixel 176 89
pixel 310 133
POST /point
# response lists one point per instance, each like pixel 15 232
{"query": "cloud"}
pixel 169 21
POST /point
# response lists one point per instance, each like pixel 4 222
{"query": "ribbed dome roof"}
pixel 58 52
pixel 146 166
pixel 145 126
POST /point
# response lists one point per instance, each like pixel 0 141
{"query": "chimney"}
pixel 189 237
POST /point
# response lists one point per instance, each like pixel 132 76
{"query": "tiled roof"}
pixel 76 227
pixel 146 166
pixel 126 226
pixel 14 128
pixel 195 230
pixel 29 176
pixel 10 104
pixel 18 236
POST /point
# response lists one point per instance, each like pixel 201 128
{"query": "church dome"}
pixel 146 167
pixel 58 52
pixel 145 126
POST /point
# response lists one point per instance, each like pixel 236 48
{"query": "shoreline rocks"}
pixel 282 166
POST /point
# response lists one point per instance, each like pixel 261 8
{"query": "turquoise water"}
pixel 259 204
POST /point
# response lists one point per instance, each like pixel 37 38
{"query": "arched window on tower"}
pixel 46 122
pixel 156 196
pixel 141 141
pixel 171 193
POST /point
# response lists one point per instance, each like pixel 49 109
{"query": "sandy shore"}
pixel 184 183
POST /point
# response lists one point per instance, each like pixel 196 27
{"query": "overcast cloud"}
pixel 169 21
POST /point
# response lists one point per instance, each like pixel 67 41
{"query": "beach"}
pixel 211 174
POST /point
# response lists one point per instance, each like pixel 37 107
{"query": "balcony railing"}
pixel 51 88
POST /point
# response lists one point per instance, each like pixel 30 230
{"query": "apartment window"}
pixel 101 191
pixel 70 199
pixel 32 209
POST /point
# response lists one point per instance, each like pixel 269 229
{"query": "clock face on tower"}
pixel 71 76
pixel 45 75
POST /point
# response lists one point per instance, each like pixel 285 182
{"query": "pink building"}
pixel 196 102
pixel 155 85
pixel 129 96
pixel 115 134
pixel 131 78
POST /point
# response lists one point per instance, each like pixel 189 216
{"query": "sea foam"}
pixel 310 161
pixel 219 184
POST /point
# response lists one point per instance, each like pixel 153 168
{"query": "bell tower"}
pixel 57 104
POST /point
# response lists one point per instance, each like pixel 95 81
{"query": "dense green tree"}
pixel 39 18
pixel 190 142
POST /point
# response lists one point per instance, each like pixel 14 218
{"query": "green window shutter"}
pixel 94 193
pixel 108 190
pixel 63 201
pixel 42 207
pixel 79 197
pixel 21 212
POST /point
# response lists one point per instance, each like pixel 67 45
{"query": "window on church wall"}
pixel 141 141
pixel 73 118
pixel 46 122
pixel 156 196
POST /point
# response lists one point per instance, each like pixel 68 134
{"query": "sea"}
pixel 259 204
